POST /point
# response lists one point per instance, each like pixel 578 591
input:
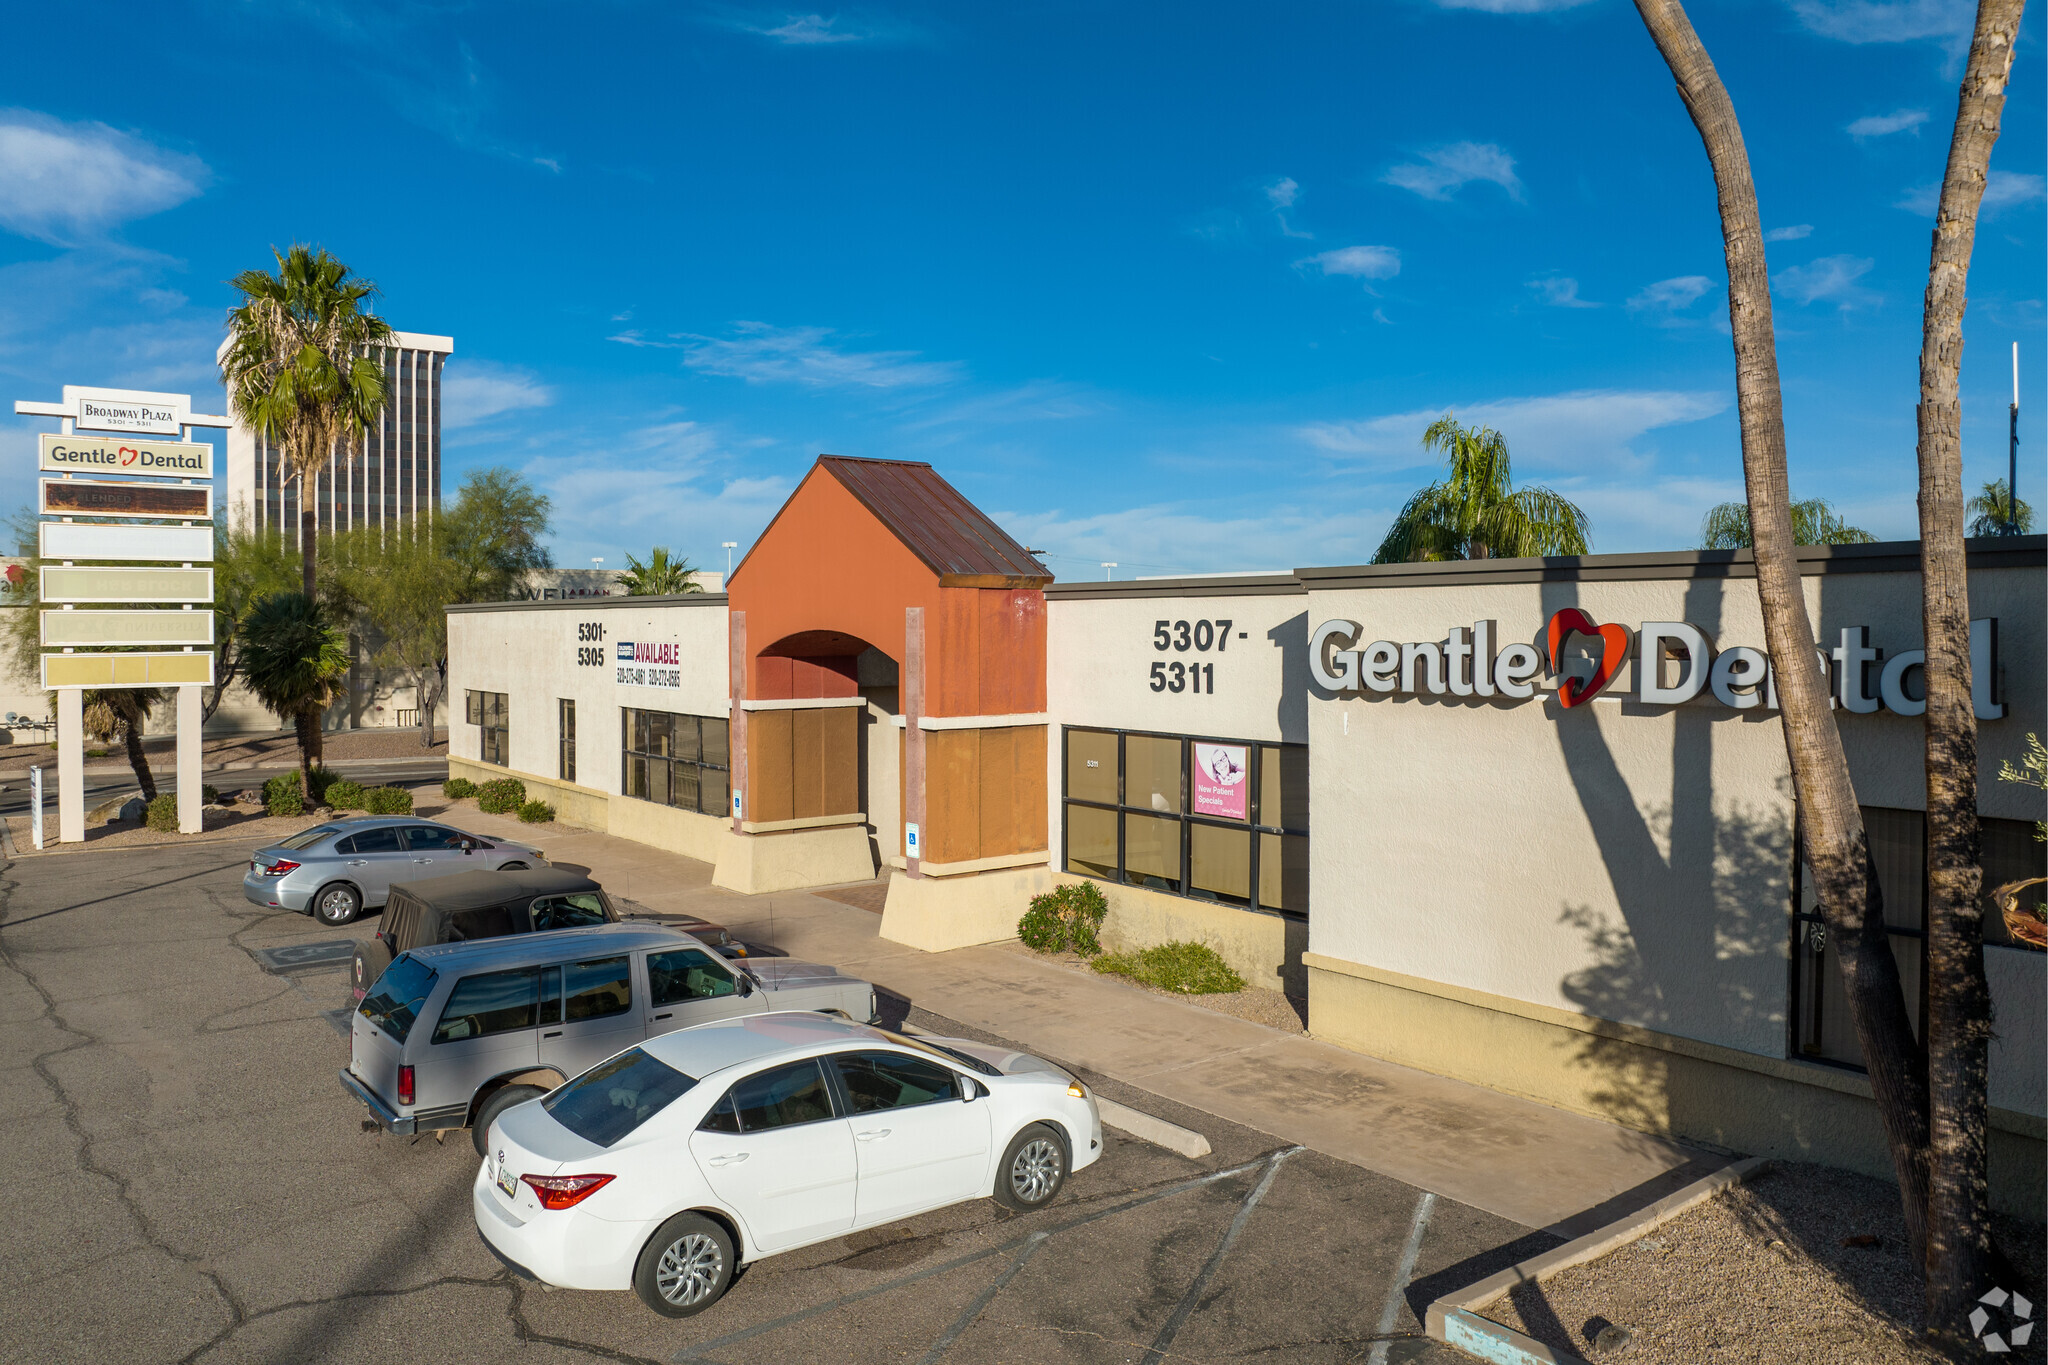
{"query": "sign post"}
pixel 129 420
pixel 35 805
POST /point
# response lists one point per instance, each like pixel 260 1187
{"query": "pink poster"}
pixel 1221 780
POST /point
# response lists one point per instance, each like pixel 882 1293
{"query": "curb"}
pixel 1156 1131
pixel 1454 1319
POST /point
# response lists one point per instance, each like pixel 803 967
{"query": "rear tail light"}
pixel 405 1085
pixel 280 867
pixel 565 1191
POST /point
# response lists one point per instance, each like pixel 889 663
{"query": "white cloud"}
pixel 1669 296
pixel 1560 291
pixel 1170 538
pixel 1570 431
pixel 1797 232
pixel 1364 262
pixel 1663 515
pixel 2002 189
pixel 1040 400
pixel 65 183
pixel 1444 171
pixel 1884 125
pixel 1216 227
pixel 1512 6
pixel 1282 193
pixel 474 391
pixel 760 353
pixel 1905 21
pixel 809 30
pixel 1830 279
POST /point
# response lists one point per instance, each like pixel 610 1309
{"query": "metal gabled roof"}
pixel 954 538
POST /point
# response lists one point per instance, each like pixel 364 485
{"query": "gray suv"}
pixel 454 1035
pixel 337 870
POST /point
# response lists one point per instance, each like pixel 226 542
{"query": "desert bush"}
pixel 1065 917
pixel 346 795
pixel 209 795
pixel 1190 968
pixel 501 795
pixel 387 801
pixel 319 780
pixel 163 813
pixel 536 812
pixel 458 788
pixel 283 796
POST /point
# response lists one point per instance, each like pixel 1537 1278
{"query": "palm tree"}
pixel 292 658
pixel 1726 527
pixel 125 712
pixel 1476 512
pixel 298 368
pixel 1998 513
pixel 660 576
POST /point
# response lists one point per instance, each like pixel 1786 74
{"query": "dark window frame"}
pixel 491 713
pixel 1250 826
pixel 628 754
pixel 565 730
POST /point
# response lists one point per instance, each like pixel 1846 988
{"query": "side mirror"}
pixel 746 984
pixel 970 1090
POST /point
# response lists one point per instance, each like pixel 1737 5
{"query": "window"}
pixel 308 837
pixel 489 921
pixel 490 710
pixel 429 838
pixel 780 1098
pixel 1821 1026
pixel 371 841
pixel 687 974
pixel 496 1002
pixel 613 1098
pixel 675 760
pixel 594 990
pixel 578 910
pixel 886 1080
pixel 395 1000
pixel 565 713
pixel 1215 819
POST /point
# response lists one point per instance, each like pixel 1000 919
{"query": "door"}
pixel 779 1155
pixel 597 1016
pixel 437 850
pixel 918 1143
pixel 687 986
pixel 375 858
pixel 486 1029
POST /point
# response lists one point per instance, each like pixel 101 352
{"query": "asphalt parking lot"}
pixel 191 1184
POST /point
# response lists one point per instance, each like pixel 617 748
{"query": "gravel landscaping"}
pixel 1803 1265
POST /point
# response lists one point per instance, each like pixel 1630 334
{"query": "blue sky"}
pixel 1176 286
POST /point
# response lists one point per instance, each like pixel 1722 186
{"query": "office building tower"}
pixel 385 477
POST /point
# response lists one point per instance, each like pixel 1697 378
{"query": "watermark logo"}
pixel 2008 1322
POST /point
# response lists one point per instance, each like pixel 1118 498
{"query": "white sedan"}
pixel 667 1166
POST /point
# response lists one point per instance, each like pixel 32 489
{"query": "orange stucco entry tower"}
pixel 888 651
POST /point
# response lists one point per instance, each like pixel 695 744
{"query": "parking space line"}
pixel 1187 1300
pixel 697 1352
pixel 981 1300
pixel 1390 1312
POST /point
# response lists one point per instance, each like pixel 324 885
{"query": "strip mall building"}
pixel 1524 822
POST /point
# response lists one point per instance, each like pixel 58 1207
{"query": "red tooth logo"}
pixel 1614 648
pixel 129 454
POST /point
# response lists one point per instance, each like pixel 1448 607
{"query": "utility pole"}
pixel 2012 465
pixel 1108 567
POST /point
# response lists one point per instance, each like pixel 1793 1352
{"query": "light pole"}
pixel 2012 465
pixel 1107 566
pixel 728 546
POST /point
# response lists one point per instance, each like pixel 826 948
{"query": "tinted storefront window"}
pixel 1216 819
pixel 675 760
pixel 492 714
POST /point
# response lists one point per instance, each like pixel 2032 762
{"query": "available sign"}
pixel 128 410
pixel 641 664
pixel 1219 779
pixel 1675 662
pixel 111 455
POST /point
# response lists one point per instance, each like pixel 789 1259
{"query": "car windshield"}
pixel 395 1000
pixel 612 1099
pixel 953 1054
pixel 306 838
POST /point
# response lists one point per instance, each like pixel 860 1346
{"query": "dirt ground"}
pixel 254 750
pixel 1803 1265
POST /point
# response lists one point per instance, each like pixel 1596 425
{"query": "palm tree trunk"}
pixel 309 539
pixel 307 724
pixel 1831 824
pixel 1958 995
pixel 131 736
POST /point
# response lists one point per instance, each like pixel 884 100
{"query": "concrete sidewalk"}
pixel 1540 1167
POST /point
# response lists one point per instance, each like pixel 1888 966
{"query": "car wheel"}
pixel 511 867
pixel 685 1267
pixel 497 1104
pixel 337 904
pixel 1033 1170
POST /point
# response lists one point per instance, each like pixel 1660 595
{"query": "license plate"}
pixel 507 1182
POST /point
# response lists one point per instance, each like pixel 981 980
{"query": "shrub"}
pixel 209 796
pixel 1190 968
pixel 387 801
pixel 536 812
pixel 163 813
pixel 318 781
pixel 97 753
pixel 1065 917
pixel 346 795
pixel 501 795
pixel 282 796
pixel 458 788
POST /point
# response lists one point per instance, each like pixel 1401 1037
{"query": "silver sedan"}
pixel 337 870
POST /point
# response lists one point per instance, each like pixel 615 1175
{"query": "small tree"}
pixel 1726 527
pixel 494 534
pixel 404 585
pixel 293 657
pixel 1477 512
pixel 248 566
pixel 1996 512
pixel 660 576
pixel 125 712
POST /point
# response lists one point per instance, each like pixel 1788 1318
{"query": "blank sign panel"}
pixel 127 628
pixel 79 540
